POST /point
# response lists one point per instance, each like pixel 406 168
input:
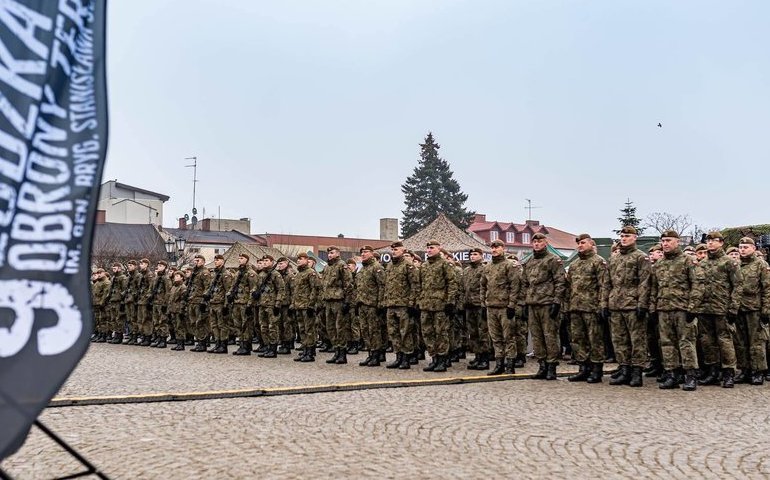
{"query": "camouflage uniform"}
pixel 672 280
pixel 197 314
pixel 500 291
pixel 176 311
pixel 100 294
pixel 401 288
pixel 543 285
pixel 585 300
pixel 287 320
pixel 438 291
pixel 716 294
pixel 159 302
pixel 752 335
pixel 239 297
pixel 458 342
pixel 628 296
pixel 219 313
pixel 117 306
pixel 271 297
pixel 144 305
pixel 475 314
pixel 370 294
pixel 337 290
pixel 304 302
pixel 132 296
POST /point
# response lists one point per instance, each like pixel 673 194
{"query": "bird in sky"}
pixel 659 125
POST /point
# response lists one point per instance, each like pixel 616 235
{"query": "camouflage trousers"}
pixel 117 317
pixel 545 334
pixel 358 327
pixel 478 330
pixel 100 319
pixel 629 337
pixel 144 319
pixel 371 326
pixel 522 332
pixel 401 329
pixel 198 321
pixel 287 323
pixel 677 340
pixel 587 336
pixel 219 321
pixel 653 339
pixel 177 319
pixel 159 321
pixel 502 332
pixel 337 324
pixel 458 331
pixel 242 318
pixel 716 338
pixel 320 325
pixel 435 332
pixel 269 325
pixel 131 318
pixel 306 320
pixel 751 342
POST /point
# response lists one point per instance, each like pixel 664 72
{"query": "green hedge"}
pixel 734 234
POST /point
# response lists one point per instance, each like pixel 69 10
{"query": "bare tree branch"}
pixel 662 221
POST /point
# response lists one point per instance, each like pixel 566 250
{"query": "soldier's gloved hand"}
pixel 553 311
pixel 510 312
pixel 345 308
pixel 764 319
pixel 731 318
pixel 641 313
pixel 691 317
pixel 310 313
pixel 525 313
pixel 412 312
pixel 449 309
pixel 276 311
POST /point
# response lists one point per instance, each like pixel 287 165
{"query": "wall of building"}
pixel 127 210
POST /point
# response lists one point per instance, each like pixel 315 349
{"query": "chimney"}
pixel 389 229
pixel 101 217
pixel 480 218
pixel 182 223
pixel 206 225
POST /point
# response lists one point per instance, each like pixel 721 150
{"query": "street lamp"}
pixel 180 244
pixel 173 247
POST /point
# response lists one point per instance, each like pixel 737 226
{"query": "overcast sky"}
pixel 306 116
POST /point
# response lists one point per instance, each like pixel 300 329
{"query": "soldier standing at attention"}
pixel 628 297
pixel 197 313
pixel 357 328
pixel 219 321
pixel 500 291
pixel 270 294
pixel 158 302
pixel 475 312
pixel 370 297
pixel 144 302
pixel 303 302
pixel 239 297
pixel 543 288
pixel 438 292
pixel 117 306
pixel 672 279
pixel 176 309
pixel 401 288
pixel 653 336
pixel 101 298
pixel 586 310
pixel 716 298
pixel 753 315
pixel 131 298
pixel 287 315
pixel 337 291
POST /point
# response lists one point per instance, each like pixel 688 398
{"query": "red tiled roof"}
pixel 556 238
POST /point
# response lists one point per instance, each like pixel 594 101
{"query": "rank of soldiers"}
pixel 689 316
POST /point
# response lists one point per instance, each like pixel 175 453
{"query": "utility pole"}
pixel 195 180
pixel 529 208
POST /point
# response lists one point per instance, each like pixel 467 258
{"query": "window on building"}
pixel 493 235
pixel 524 238
pixel 510 237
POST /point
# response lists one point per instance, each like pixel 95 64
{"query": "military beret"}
pixel 187 268
pixel 144 260
pixel 689 248
pixel 629 230
pixel 477 250
pixel 100 270
pixel 116 264
pixel 350 261
pixel 746 241
pixel 283 259
pixel 268 257
pixel 200 256
pixel 178 272
pixel 396 244
pixel 131 262
pixel 433 242
pixel 409 252
pixel 366 247
pixel 731 250
pixel 582 236
pixel 163 262
pixel 497 243
pixel 302 255
pixel 332 247
pixel 655 248
pixel 700 247
pixel 669 234
pixel 539 236
pixel 715 235
pixel 244 255
pixel 219 257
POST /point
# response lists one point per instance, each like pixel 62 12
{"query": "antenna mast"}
pixel 195 180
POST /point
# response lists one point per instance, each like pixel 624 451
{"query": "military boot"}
pixel 272 351
pixel 454 355
pixel 365 362
pixel 413 360
pixel 261 348
pixel 441 364
pixel 744 376
pixel 712 377
pixel 670 382
pixel 583 372
pixel 509 368
pixel 199 347
pixel 179 346
pixel 420 353
pixel 222 347
pixel 145 341
pixel 690 383
pixel 432 365
pixel 161 342
pixel 597 371
pixel 94 336
pixel 758 378
pixel 654 370
pixel 550 373
pixel 375 362
pixel 282 349
pixel 343 358
pixel 101 338
pixel 728 378
pixel 472 364
pixel 542 370
pixel 484 362
pixel 406 364
pixel 214 347
pixel 298 358
pixel 155 340
pixel 334 357
pixel 352 348
pixel 397 362
pixel 499 367
pixel 636 377
pixel 309 356
pixel 326 346
pixel 381 355
pixel 623 377
pixel 521 359
pixel 242 350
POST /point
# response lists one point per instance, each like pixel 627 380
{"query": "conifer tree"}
pixel 628 218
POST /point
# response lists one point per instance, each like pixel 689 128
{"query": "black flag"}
pixel 53 139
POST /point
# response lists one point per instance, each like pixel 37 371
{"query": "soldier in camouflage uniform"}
pixel 475 313
pixel 672 279
pixel 438 294
pixel 715 299
pixel 522 327
pixel 753 316
pixel 628 298
pixel 159 302
pixel 336 293
pixel 358 329
pixel 419 343
pixel 287 314
pixel 500 291
pixel 586 310
pixel 219 311
pixel 270 294
pixel 144 302
pixel 304 301
pixel 117 307
pixel 400 299
pixel 177 308
pixel 100 292
pixel 134 279
pixel 197 310
pixel 655 369
pixel 543 285
pixel 239 298
pixel 458 333
pixel 370 296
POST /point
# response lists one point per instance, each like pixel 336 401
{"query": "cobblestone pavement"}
pixel 520 428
